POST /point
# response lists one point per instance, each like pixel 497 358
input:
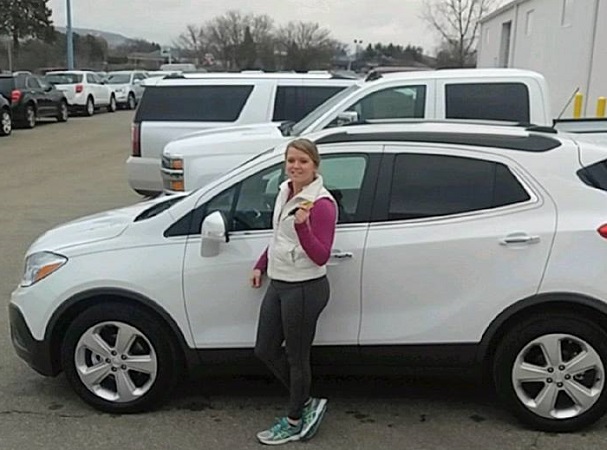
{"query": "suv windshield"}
pixel 63 78
pixel 119 78
pixel 304 123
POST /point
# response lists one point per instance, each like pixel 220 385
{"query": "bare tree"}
pixel 193 42
pixel 458 22
pixel 305 44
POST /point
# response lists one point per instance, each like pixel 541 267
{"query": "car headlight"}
pixel 40 265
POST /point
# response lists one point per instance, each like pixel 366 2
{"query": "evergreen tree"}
pixel 20 19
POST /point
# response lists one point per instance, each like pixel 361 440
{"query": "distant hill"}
pixel 113 39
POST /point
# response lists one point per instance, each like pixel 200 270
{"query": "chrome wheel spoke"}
pixel 528 372
pixel 144 364
pixel 96 344
pixel 551 347
pixel 92 376
pixel 124 386
pixel 124 339
pixel 581 395
pixel 583 362
pixel 546 400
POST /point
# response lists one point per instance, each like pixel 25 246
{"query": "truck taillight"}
pixel 602 230
pixel 15 96
pixel 135 139
pixel 79 88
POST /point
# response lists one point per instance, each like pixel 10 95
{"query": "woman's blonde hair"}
pixel 306 146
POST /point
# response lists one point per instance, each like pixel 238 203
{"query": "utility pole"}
pixel 70 42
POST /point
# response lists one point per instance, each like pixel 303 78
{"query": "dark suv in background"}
pixel 32 98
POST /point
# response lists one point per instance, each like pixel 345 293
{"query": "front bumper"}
pixel 37 354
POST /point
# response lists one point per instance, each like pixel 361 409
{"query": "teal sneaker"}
pixel 280 433
pixel 312 415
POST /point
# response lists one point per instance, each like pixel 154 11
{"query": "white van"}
pixel 175 106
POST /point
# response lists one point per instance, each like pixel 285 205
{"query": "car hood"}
pixel 93 228
pixel 254 129
pixel 220 139
pixel 118 86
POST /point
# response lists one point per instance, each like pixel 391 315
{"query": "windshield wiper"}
pixel 286 127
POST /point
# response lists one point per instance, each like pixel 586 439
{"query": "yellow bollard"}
pixel 577 105
pixel 600 107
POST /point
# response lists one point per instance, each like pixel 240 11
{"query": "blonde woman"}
pixel 305 215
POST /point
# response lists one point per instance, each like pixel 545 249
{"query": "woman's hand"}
pixel 256 278
pixel 303 212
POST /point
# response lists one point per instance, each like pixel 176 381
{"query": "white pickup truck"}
pixel 510 95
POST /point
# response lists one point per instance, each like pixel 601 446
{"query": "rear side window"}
pixel 7 84
pixel 192 103
pixel 293 103
pixel 595 175
pixel 63 78
pixel 488 101
pixel 439 185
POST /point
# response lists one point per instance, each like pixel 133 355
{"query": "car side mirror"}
pixel 347 118
pixel 137 82
pixel 213 233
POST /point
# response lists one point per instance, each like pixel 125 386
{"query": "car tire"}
pixel 537 372
pixel 63 113
pixel 89 108
pixel 115 376
pixel 131 102
pixel 6 122
pixel 29 116
pixel 112 106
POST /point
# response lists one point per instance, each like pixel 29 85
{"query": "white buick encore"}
pixel 458 245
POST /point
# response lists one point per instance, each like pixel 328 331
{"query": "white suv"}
pixel 84 90
pixel 457 245
pixel 172 107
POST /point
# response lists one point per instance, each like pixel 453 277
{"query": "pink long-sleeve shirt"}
pixel 315 236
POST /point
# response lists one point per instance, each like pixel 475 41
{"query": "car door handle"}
pixel 519 238
pixel 341 255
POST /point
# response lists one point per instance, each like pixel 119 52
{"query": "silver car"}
pixel 128 86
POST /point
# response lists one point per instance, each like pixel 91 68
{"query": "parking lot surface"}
pixel 59 172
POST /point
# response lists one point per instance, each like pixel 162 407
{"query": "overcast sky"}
pixel 162 21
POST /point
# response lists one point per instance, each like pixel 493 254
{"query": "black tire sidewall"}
pixel 517 338
pixel 60 117
pixel 90 112
pixel 131 103
pixel 148 325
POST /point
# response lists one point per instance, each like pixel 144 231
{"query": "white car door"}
pixel 221 305
pixel 456 240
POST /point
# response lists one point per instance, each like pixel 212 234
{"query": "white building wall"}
pixel 558 46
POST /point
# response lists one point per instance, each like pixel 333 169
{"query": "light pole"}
pixel 357 42
pixel 70 42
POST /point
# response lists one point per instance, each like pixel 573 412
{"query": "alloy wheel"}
pixel 116 362
pixel 6 123
pixel 558 376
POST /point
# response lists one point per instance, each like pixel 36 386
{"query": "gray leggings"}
pixel 289 312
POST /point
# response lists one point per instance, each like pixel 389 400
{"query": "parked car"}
pixel 84 91
pixel 6 118
pixel 32 98
pixel 175 106
pixel 463 246
pixel 127 85
pixel 471 94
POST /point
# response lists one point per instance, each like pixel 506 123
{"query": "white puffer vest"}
pixel 287 260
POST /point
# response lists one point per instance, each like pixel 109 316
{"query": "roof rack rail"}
pixel 531 143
